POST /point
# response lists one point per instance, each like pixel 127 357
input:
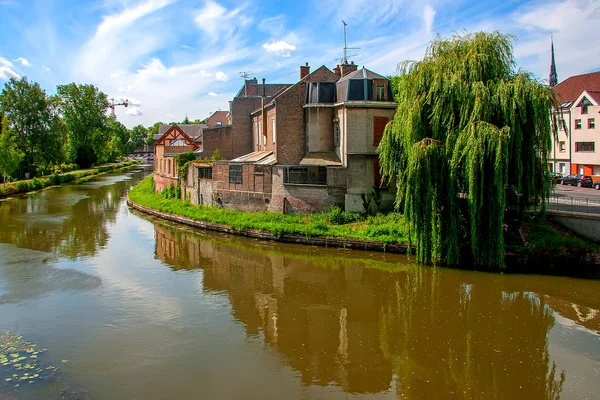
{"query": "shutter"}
pixel 376 172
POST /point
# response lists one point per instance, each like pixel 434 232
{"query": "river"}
pixel 101 302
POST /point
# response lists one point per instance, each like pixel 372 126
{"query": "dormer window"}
pixel 380 90
pixel 584 104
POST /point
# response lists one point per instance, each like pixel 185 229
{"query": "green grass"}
pixel 389 228
pixel 545 235
pixel 30 185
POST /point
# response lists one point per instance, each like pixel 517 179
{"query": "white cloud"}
pixel 134 112
pixel 45 68
pixel 428 16
pixel 280 48
pixel 6 71
pixel 273 25
pixel 23 62
pixel 212 94
pixel 569 21
pixel 219 22
pixel 169 116
pixel 221 76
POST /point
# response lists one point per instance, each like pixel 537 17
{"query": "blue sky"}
pixel 176 57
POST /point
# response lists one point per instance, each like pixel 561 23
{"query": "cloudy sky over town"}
pixel 173 58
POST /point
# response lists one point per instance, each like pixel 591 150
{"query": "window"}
pixel 591 123
pixel 336 132
pixel 219 123
pixel 585 146
pixel 313 175
pixel 562 125
pixel 380 90
pixel 274 131
pixel 584 109
pixel 169 167
pixel 577 124
pixel 562 146
pixel 204 172
pixel 235 173
pixel 379 124
pixel 596 170
pixel 562 167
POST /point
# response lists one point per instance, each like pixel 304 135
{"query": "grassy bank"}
pixel 336 224
pixel 30 185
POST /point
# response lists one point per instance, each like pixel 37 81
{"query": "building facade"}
pixel 575 148
pixel 312 146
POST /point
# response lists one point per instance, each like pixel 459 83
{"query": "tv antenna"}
pixel 245 74
pixel 344 60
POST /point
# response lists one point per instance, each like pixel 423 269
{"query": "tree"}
pixel 137 137
pixel 186 120
pixel 470 136
pixel 152 130
pixel 84 111
pixel 10 156
pixel 29 116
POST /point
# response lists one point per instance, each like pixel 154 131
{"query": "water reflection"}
pixel 70 221
pixel 420 332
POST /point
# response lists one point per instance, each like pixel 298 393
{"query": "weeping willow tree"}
pixel 470 137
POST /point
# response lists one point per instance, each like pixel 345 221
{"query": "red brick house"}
pixel 173 141
pixel 218 118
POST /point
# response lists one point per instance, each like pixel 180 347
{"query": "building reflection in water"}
pixel 418 332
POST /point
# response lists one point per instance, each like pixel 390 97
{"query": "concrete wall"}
pixel 358 128
pixel 557 157
pixel 585 134
pixel 319 128
pixel 584 225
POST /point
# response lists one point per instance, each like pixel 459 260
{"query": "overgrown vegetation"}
pixel 336 223
pixel 470 138
pixel 24 186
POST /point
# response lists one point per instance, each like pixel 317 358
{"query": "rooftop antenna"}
pixel 344 60
pixel 245 74
pixel 112 106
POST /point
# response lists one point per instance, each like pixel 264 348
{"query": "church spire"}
pixel 553 75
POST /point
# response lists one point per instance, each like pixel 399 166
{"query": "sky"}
pixel 172 58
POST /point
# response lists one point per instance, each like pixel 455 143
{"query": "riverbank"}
pixel 546 249
pixel 333 229
pixel 76 176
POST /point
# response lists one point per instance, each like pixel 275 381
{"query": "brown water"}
pixel 141 309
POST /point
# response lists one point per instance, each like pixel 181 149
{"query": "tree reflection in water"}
pixel 419 332
pixel 70 221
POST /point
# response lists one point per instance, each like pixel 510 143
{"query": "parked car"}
pixel 577 180
pixel 555 176
pixel 597 185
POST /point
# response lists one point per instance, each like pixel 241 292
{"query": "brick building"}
pixel 175 139
pixel 218 118
pixel 311 144
pixel 574 149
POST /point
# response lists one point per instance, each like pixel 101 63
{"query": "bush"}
pixel 336 216
pixel 169 193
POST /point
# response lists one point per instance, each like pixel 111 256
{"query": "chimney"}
pixel 337 70
pixel 304 70
pixel 348 68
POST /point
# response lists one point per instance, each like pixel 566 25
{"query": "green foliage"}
pixel 182 161
pixel 216 155
pixel 169 193
pixel 34 121
pixel 385 228
pixel 90 139
pixel 137 138
pixel 468 131
pixel 10 155
pixel 152 130
pixel 372 202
